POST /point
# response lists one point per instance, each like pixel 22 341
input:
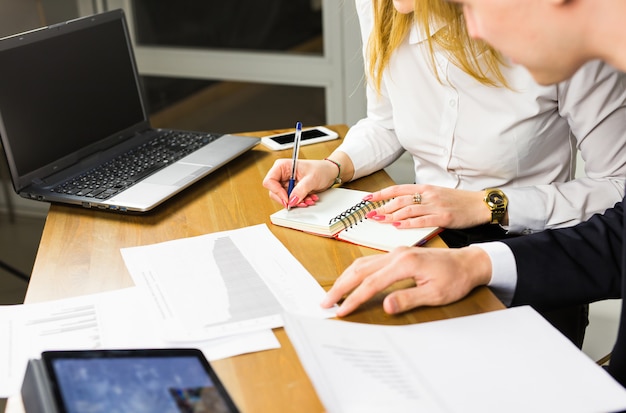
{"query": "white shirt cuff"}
pixel 503 270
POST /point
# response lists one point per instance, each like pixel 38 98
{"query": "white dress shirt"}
pixel 462 134
pixel 503 270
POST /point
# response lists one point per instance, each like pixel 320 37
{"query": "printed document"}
pixel 224 283
pixel 510 361
pixel 124 318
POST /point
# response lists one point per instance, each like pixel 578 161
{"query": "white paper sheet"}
pixel 224 283
pixel 504 361
pixel 116 319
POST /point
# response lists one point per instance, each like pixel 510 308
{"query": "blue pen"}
pixel 296 149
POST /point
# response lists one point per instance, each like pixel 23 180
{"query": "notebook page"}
pixel 384 236
pixel 316 218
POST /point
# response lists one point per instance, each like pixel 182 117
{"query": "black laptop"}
pixel 75 128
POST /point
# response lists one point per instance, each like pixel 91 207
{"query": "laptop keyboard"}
pixel 128 169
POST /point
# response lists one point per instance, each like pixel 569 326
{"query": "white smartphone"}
pixel 309 135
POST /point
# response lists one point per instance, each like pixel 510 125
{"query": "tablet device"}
pixel 155 380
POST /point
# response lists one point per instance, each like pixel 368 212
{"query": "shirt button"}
pixel 452 103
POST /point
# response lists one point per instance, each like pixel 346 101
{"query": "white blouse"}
pixel 462 134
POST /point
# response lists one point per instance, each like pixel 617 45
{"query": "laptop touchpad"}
pixel 177 175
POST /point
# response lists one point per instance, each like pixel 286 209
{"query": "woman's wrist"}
pixel 485 213
pixel 337 179
pixel 346 169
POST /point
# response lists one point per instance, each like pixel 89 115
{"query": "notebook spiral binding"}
pixel 355 214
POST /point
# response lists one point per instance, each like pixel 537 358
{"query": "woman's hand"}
pixel 311 177
pixel 430 206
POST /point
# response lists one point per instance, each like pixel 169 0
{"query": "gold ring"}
pixel 417 198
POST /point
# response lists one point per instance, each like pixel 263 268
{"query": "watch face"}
pixel 495 198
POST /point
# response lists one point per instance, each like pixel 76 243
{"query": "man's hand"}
pixel 441 276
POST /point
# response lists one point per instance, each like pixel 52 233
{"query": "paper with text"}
pixel 504 361
pixel 224 283
pixel 122 318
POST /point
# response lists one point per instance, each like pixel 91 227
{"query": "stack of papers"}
pixel 221 293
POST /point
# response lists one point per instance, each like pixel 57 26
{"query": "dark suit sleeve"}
pixel 570 266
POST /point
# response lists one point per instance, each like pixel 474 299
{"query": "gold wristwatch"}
pixel 496 202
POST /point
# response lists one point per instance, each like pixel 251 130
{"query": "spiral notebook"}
pixel 341 213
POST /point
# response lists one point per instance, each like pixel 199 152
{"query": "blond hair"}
pixel 391 28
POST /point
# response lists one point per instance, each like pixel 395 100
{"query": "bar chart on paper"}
pixel 248 295
pixel 78 325
pixel 25 331
pixel 224 283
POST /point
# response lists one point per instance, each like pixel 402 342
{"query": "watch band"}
pixel 497 203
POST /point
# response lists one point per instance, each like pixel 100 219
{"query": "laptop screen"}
pixel 50 110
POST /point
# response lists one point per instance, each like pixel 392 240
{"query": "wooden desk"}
pixel 79 254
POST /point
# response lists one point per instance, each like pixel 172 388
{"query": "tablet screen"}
pixel 135 381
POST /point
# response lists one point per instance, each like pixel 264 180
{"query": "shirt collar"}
pixel 417 35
